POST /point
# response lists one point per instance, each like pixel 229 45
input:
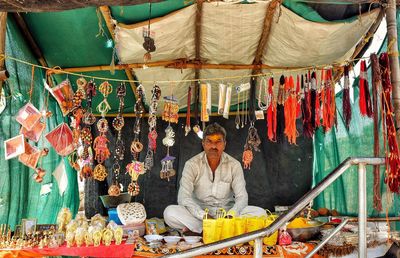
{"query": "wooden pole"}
pixel 269 16
pixel 3 26
pixel 197 42
pixel 106 13
pixel 174 64
pixel 394 60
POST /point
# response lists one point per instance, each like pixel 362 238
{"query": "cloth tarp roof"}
pixel 230 34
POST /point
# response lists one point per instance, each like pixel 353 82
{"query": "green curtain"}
pixel 19 193
pixel 331 148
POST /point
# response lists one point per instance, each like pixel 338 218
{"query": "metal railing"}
pixel 258 235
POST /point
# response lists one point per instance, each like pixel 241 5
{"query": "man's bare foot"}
pixel 187 232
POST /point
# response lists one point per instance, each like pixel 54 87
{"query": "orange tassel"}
pixel 291 112
pixel 271 112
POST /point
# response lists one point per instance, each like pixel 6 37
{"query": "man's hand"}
pixel 208 217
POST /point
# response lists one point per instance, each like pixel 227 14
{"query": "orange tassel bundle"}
pixel 290 112
pixel 271 112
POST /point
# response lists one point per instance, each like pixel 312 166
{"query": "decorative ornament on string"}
pixel 252 143
pixel 189 102
pixel 148 43
pixel 167 163
pixel 152 121
pixel 171 109
pixel 271 111
pixel 346 98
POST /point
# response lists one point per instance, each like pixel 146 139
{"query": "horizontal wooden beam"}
pixel 173 64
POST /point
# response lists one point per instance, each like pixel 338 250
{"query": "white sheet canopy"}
pixel 230 34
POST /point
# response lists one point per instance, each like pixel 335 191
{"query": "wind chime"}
pixel 136 168
pixel 152 121
pixel 170 115
pixel 118 123
pixel 100 142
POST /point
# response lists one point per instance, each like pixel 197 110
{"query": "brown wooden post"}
pixel 3 25
pixel 394 60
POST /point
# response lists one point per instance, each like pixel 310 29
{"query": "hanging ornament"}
pixel 346 98
pixel 280 128
pixel 290 110
pixel 171 109
pixel 167 167
pixel 152 121
pixel 271 111
pixel 252 143
pixel 167 163
pixel 118 123
pixel 221 98
pixel 189 102
pixel 392 174
pixel 100 144
pixel 329 105
pixel 205 94
pixel 227 101
pixel 313 89
pixel 365 97
pixel 148 43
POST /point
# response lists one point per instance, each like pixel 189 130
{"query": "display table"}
pixel 123 250
pixel 297 249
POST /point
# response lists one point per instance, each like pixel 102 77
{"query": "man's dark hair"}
pixel 214 128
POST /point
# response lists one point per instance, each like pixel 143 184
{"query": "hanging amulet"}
pixel 133 188
pixel 247 158
pixel 114 190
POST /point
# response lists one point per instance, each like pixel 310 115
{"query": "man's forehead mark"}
pixel 215 137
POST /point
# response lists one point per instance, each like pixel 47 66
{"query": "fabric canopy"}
pixel 230 34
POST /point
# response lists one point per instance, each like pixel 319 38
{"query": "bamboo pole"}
pixel 269 16
pixel 176 64
pixel 394 60
pixel 106 13
pixel 197 42
pixel 3 26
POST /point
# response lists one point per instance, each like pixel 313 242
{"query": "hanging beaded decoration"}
pixel 118 123
pixel 252 143
pixel 100 143
pixel 167 163
pixel 136 168
pixel 171 109
pixel 152 121
pixel 189 102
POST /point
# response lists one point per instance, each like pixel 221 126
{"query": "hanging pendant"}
pixel 167 167
pixel 133 188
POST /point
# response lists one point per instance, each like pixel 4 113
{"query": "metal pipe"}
pixel 362 211
pixel 326 239
pixel 258 245
pixel 296 208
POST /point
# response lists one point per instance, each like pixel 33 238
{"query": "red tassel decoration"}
pixel 392 174
pixel 329 105
pixel 306 107
pixel 365 97
pixel 290 112
pixel 346 98
pixel 271 112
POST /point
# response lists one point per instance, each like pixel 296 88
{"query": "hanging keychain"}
pixel 152 121
pixel 118 123
pixel 100 143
